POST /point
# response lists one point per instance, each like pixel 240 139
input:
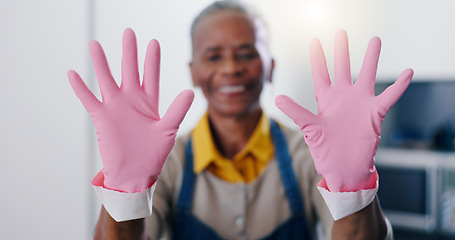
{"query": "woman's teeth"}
pixel 232 89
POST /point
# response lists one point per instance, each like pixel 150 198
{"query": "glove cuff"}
pixel 343 204
pixel 124 206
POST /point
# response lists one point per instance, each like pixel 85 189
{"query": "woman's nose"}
pixel 232 67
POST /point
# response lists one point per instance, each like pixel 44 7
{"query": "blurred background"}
pixel 48 149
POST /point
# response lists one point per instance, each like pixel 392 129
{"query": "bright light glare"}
pixel 316 10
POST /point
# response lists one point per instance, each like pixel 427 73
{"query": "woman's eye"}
pixel 246 56
pixel 213 58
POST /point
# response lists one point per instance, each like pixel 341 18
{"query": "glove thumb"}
pixel 178 109
pixel 305 119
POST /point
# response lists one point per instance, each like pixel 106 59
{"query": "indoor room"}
pixel 49 146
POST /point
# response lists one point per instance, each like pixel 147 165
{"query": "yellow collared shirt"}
pixel 245 166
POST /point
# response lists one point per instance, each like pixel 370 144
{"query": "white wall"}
pixel 43 130
pixel 48 147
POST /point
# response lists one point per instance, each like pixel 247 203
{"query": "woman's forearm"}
pixel 108 228
pixel 368 223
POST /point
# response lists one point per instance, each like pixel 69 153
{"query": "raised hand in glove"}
pixel 133 140
pixel 343 137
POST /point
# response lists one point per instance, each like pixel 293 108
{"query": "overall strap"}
pixel 185 224
pixel 186 190
pixel 296 227
pixel 287 173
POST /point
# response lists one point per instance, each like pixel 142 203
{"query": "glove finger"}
pixel 387 98
pixel 107 84
pixel 178 109
pixel 84 94
pixel 342 63
pixel 321 76
pixel 367 75
pixel 151 84
pixel 130 73
pixel 300 115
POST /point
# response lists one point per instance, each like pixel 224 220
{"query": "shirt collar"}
pixel 259 146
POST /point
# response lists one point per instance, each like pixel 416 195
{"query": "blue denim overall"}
pixel 187 226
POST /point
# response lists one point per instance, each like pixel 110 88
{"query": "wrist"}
pixel 101 181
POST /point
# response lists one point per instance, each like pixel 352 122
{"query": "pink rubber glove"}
pixel 344 136
pixel 133 141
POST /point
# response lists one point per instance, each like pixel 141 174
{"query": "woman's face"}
pixel 227 64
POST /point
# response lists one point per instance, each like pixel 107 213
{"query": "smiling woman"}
pixel 227 65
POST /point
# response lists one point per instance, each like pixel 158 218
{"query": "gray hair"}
pixel 260 25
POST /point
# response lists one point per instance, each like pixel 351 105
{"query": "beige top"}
pixel 239 210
